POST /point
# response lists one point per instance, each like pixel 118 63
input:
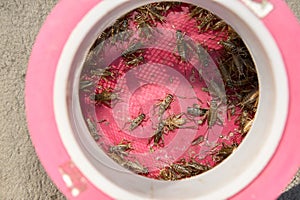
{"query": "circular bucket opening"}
pixel 169 85
pixel 159 103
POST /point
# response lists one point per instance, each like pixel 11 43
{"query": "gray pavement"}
pixel 21 174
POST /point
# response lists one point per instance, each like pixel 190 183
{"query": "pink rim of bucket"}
pixel 43 129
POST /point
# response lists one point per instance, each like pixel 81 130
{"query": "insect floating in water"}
pixel 103 73
pixel 92 58
pixel 225 72
pixel 85 85
pixel 157 136
pixel 196 111
pixel 133 49
pixel 232 48
pixel 182 46
pixel 168 174
pixel 175 122
pixel 245 122
pixel 118 158
pixel 144 27
pixel 182 169
pixel 137 121
pixel 206 22
pixel 93 129
pixel 118 154
pixel 198 140
pixel 203 55
pixel 119 31
pixel 220 25
pixel 174 171
pixel 251 100
pixel 106 97
pixel 247 125
pixel 197 12
pixel 164 104
pixel 196 168
pixel 213 115
pixel 133 54
pixel 121 149
pixel 224 152
pixel 134 123
pixel 133 166
pixel 134 60
pixel 218 91
pixel 152 12
pixel 136 167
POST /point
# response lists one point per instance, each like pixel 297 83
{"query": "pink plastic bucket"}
pixel 75 172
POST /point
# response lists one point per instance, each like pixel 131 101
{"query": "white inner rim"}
pixel 221 182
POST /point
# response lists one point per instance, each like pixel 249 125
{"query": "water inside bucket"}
pixel 169 90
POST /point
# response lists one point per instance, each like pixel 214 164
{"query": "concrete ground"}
pixel 21 174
